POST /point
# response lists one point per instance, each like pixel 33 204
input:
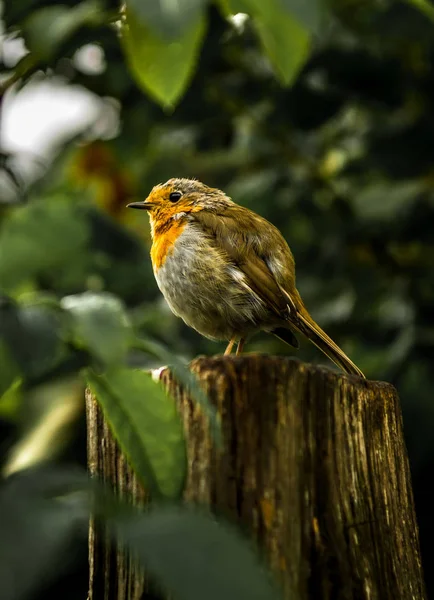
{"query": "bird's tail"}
pixel 307 326
pixel 303 322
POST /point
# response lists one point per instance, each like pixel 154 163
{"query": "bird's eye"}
pixel 175 196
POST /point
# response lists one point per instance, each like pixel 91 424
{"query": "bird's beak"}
pixel 141 205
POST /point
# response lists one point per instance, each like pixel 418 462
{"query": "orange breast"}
pixel 163 243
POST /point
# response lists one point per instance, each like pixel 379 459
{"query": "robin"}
pixel 226 271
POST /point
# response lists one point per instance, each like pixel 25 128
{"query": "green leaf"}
pixel 285 41
pixel 145 422
pixel 195 557
pixel 39 238
pixel 169 19
pixel 48 28
pixel 100 325
pixel 187 379
pixel 162 69
pixel 283 28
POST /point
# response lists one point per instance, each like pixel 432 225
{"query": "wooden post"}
pixel 313 467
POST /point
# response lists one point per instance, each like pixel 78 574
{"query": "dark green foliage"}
pixel 215 565
pixel 43 514
pixel 45 511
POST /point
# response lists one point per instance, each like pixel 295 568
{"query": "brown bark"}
pixel 112 574
pixel 313 466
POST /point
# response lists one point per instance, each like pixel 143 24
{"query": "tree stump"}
pixel 313 467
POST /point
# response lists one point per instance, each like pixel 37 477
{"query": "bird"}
pixel 226 271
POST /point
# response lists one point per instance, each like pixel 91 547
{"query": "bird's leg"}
pixel 240 346
pixel 229 346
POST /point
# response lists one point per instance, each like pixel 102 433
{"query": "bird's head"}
pixel 177 198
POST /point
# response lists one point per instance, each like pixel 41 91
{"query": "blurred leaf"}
pixel 395 310
pixel 49 27
pixel 310 14
pixel 145 422
pixel 9 370
pixel 49 414
pixel 400 349
pixel 424 6
pixel 38 238
pixel 43 337
pixel 38 528
pixel 161 69
pixel 195 557
pixel 167 19
pixel 33 336
pixel 232 7
pixel 385 200
pixel 337 309
pixel 10 401
pixel 100 325
pixel 188 380
pixel 285 39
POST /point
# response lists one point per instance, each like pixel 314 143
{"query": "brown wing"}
pixel 260 251
pixel 251 247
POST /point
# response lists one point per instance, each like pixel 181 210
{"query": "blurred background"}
pixel 342 162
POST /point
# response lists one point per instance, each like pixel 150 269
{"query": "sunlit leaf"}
pixel 144 420
pixel 52 411
pixel 193 556
pixel 167 19
pixel 162 69
pixel 99 325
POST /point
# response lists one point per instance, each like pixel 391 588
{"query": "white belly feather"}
pixel 209 293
